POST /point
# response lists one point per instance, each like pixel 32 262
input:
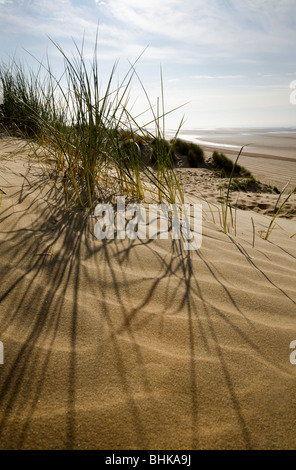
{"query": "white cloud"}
pixel 226 26
pixel 218 77
pixel 58 19
pixel 185 32
pixel 209 44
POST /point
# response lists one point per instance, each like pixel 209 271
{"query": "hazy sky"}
pixel 233 60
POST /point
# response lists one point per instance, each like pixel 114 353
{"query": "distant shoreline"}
pixel 270 154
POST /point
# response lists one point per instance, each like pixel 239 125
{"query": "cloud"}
pixel 217 77
pixel 183 32
pixel 174 80
pixel 60 20
pixel 225 27
pixel 211 45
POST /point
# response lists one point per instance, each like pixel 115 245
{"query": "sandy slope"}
pixel 141 345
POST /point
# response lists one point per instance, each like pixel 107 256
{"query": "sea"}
pixel 280 142
pixel 269 153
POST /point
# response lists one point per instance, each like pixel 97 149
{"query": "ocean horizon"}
pixel 277 141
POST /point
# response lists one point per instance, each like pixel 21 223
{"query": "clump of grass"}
pixel 88 129
pixel 277 209
pixel 191 150
pixel 162 152
pixel 166 176
pixel 196 156
pixel 238 185
pixel 142 138
pixel 181 146
pixel 163 157
pixel 221 163
pixel 245 184
pixel 225 205
pixel 130 153
pixel 27 101
pixel 226 167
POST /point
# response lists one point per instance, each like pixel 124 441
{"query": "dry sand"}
pixel 142 345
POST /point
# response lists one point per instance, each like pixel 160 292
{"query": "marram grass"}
pixel 225 199
pixel 277 209
pixel 89 132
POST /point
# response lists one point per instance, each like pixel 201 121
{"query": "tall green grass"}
pixel 225 200
pixel 277 209
pixel 83 127
pixel 226 167
pixel 194 152
pixel 28 100
pixel 168 184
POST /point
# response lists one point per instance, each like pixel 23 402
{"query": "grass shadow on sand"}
pixel 106 342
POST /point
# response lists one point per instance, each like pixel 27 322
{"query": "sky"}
pixel 229 62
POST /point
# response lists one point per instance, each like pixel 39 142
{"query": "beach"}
pixel 140 344
pixel 270 154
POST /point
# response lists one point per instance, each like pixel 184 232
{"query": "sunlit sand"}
pixel 122 344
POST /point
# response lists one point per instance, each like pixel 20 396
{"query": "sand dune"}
pixel 125 344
